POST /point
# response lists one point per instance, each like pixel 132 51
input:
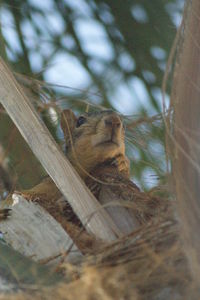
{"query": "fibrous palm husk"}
pixel 147 264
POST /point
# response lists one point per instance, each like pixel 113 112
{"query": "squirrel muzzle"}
pixel 109 132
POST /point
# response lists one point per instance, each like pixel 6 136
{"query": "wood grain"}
pixel 33 232
pixel 186 129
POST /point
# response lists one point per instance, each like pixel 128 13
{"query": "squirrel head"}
pixel 92 138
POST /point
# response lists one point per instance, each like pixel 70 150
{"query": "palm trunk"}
pixel 186 127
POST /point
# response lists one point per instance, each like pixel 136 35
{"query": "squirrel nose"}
pixel 112 121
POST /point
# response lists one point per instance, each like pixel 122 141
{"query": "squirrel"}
pixel 95 139
pixel 95 146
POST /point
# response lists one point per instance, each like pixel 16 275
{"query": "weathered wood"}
pixel 53 160
pixel 34 233
pixel 186 128
pixel 124 218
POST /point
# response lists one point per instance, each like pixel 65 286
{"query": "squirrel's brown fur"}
pixel 95 146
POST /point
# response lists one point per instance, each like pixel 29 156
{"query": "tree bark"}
pixel 186 126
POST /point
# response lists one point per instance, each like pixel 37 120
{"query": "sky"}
pixel 65 69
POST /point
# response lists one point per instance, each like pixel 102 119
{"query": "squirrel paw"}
pixel 31 196
pixel 122 163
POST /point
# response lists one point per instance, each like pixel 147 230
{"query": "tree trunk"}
pixel 186 126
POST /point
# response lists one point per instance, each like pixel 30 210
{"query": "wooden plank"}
pixel 34 233
pixel 52 159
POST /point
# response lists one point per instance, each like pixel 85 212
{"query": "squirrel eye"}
pixel 81 120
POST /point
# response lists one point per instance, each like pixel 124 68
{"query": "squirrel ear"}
pixel 68 121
